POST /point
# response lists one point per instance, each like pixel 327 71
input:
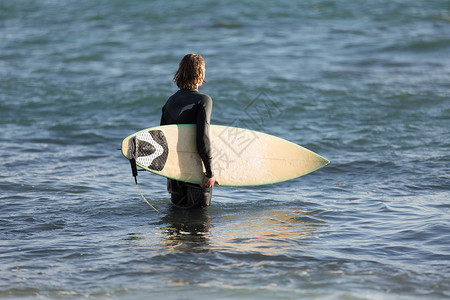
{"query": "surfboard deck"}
pixel 241 157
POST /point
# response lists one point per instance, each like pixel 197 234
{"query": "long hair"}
pixel 190 72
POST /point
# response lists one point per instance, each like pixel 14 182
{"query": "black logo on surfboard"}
pixel 151 149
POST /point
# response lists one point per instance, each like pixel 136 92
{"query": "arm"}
pixel 163 121
pixel 203 140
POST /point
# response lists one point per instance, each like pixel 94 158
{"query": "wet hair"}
pixel 190 72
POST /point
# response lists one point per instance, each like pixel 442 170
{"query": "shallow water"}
pixel 363 84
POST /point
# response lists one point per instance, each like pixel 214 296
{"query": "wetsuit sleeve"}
pixel 163 120
pixel 203 139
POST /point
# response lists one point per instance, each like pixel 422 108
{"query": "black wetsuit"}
pixel 191 107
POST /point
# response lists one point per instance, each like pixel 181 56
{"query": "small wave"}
pixel 419 46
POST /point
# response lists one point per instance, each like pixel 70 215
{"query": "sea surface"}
pixel 365 84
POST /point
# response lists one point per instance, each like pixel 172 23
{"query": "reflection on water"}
pixel 267 232
pixel 273 232
pixel 264 231
pixel 187 230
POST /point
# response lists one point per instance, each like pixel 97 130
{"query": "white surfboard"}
pixel 241 157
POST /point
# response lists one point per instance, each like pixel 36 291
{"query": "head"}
pixel 191 72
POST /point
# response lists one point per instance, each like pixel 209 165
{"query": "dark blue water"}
pixel 365 84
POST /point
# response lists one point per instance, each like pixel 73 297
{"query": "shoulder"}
pixel 204 99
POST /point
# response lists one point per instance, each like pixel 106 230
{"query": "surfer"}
pixel 189 106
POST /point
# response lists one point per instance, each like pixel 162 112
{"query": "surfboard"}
pixel 241 157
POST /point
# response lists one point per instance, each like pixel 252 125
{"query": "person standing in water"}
pixel 189 106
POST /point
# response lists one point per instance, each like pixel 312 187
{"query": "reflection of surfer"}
pixel 188 106
pixel 187 230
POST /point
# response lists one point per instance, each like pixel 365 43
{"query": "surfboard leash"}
pixel 146 199
pixel 134 171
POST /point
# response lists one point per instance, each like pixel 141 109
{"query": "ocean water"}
pixel 365 84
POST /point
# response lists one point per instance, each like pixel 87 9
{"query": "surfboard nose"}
pixel 324 161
